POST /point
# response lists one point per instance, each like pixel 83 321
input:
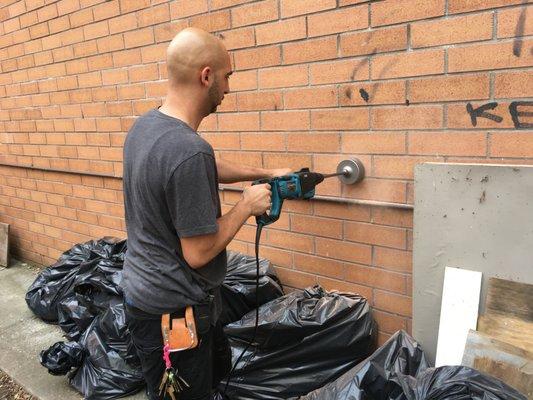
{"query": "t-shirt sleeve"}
pixel 191 196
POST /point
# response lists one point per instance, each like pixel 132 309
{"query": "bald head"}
pixel 190 51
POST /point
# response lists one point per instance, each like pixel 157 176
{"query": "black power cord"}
pixel 257 239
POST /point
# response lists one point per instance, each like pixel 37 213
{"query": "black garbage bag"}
pixel 458 383
pixel 398 370
pixel 56 282
pixel 111 368
pixel 377 376
pixel 304 340
pixel 61 357
pixel 239 288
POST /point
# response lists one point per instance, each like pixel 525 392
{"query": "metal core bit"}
pixel 349 171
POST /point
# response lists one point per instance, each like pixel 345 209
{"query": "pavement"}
pixel 23 336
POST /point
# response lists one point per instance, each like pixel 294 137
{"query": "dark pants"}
pixel 202 367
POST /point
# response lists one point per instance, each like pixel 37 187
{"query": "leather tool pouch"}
pixel 180 333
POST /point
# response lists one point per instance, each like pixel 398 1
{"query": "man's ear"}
pixel 205 76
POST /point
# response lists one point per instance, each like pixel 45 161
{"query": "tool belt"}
pixel 182 331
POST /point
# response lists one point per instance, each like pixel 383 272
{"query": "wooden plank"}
pixel 510 298
pixel 511 364
pixel 4 245
pixel 459 311
pixel 507 329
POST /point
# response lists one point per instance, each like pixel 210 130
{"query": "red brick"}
pixel 459 87
pixel 310 50
pixel 238 122
pixel 313 142
pixel 393 303
pixel 511 144
pixel 123 23
pixel 295 279
pixel 186 8
pixel 127 6
pixel 339 71
pixel 238 38
pixel 290 8
pixel 139 37
pixel 106 10
pixel 511 20
pixel 374 41
pixel 252 101
pixel 377 189
pixel 469 28
pixel 127 57
pixel 114 76
pixel 373 143
pixel 95 30
pixel 343 211
pixel 154 15
pixel 310 98
pixel 135 91
pixel 459 6
pixel 395 11
pixel 40 30
pixel 407 117
pixel 296 75
pixel 256 13
pixel 257 57
pixel 316 226
pixel 212 22
pixel 375 234
pixel 243 80
pixel 347 251
pixel 290 241
pixel 67 6
pixel 448 143
pixel 398 167
pixel 81 17
pixel 318 266
pixel 378 93
pixel 391 259
pixel 85 49
pixel 281 31
pixel 376 277
pixel 488 57
pixel 262 141
pixel 408 64
pixel 340 119
pixel 389 323
pixel 459 118
pixel 344 20
pixel 284 160
pixel 513 84
pixel 165 32
pixel 285 121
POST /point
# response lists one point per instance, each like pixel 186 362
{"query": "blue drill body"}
pixel 299 185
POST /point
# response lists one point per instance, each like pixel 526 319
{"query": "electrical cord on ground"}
pixel 257 239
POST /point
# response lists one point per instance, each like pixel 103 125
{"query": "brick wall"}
pixel 394 83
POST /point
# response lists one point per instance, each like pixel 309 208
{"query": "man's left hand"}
pixel 279 172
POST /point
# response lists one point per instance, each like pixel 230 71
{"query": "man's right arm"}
pixel 199 250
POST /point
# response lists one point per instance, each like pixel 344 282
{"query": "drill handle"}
pixel 275 208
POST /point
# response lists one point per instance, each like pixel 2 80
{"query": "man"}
pixel 176 235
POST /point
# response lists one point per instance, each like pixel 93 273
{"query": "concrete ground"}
pixel 23 336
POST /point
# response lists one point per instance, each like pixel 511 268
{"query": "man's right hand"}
pixel 258 198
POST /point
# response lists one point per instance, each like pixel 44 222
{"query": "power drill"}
pixel 298 185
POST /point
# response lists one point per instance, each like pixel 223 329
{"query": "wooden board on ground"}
pixel 510 298
pixel 511 364
pixel 4 245
pixel 515 331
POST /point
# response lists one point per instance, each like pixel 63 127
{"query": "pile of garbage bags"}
pixel 308 345
pixel 398 370
pixel 81 292
pixel 303 340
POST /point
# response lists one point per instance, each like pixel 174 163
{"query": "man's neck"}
pixel 180 108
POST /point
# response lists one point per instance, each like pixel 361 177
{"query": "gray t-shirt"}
pixel 170 191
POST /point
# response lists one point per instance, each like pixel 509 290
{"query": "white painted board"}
pixel 459 312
